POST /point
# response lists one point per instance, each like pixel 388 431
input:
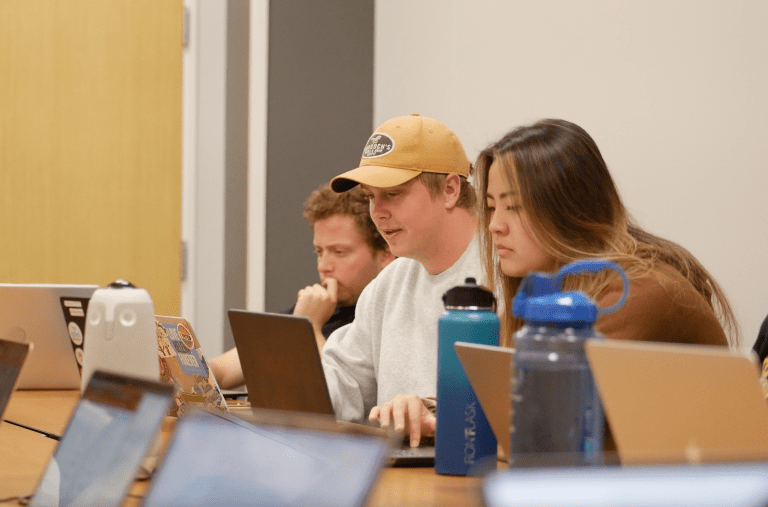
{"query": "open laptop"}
pixel 674 403
pixel 282 370
pixel 183 364
pixel 286 459
pixel 47 315
pixel 281 363
pixel 489 370
pixel 12 358
pixel 113 426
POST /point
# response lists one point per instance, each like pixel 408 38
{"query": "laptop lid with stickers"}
pixel 100 453
pixel 52 317
pixel 183 364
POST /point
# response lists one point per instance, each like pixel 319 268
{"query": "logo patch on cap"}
pixel 378 145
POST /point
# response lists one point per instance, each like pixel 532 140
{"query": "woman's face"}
pixel 519 252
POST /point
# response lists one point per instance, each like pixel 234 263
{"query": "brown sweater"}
pixel 662 306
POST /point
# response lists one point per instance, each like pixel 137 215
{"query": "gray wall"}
pixel 320 114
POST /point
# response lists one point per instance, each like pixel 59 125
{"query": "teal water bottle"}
pixel 557 415
pixel 464 441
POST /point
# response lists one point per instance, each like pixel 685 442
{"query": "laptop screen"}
pixel 109 433
pixel 221 460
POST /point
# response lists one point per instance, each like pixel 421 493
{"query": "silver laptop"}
pixel 111 430
pixel 52 317
pixel 674 403
pixel 276 460
pixel 489 370
pixel 12 358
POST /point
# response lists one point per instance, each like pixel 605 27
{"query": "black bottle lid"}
pixel 121 284
pixel 469 295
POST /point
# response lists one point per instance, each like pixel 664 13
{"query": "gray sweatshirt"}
pixel 391 347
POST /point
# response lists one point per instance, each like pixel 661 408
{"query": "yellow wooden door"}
pixel 90 143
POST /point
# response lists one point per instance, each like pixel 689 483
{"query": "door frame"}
pixel 205 293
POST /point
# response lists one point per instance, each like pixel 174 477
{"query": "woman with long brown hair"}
pixel 547 198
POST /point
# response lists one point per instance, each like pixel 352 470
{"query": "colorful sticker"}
pixel 164 349
pixel 165 371
pixel 79 355
pixel 188 358
pixel 185 336
pixel 75 333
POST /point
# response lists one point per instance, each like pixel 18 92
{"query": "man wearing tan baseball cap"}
pixel 403 148
pixel 383 366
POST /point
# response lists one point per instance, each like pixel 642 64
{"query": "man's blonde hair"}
pixel 435 183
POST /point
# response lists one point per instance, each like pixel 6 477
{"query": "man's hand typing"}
pixel 406 411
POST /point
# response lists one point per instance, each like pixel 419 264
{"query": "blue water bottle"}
pixel 557 415
pixel 464 441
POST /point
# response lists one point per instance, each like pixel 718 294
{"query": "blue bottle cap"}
pixel 559 308
pixel 535 284
pixel 539 298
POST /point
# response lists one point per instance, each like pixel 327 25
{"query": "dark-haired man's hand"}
pixel 318 302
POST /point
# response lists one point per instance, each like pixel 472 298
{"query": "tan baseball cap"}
pixel 401 149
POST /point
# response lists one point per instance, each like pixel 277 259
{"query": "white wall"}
pixel 203 174
pixel 674 93
pixel 257 154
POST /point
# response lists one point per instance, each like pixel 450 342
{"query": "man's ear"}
pixel 452 190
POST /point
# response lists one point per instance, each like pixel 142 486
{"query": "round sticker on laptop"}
pixel 186 336
pixel 75 333
pixel 79 355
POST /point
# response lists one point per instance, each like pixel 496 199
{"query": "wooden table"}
pixel 423 487
pixel 25 455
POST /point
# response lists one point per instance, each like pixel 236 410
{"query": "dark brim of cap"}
pixel 374 176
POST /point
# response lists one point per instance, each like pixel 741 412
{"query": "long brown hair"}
pixel 575 212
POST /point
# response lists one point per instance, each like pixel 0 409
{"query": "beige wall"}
pixel 674 93
pixel 90 144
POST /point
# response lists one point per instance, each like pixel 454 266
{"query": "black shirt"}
pixel 761 345
pixel 342 316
